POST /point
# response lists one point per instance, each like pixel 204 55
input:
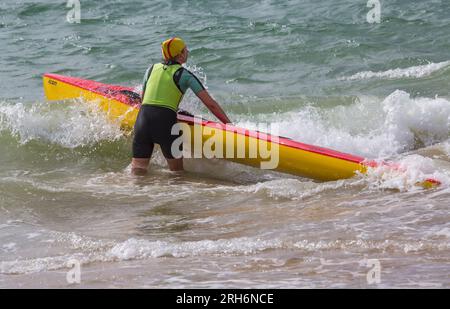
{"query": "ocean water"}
pixel 317 69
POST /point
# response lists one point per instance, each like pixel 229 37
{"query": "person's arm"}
pixel 188 80
pixel 213 106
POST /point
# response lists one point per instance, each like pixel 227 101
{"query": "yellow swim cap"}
pixel 172 48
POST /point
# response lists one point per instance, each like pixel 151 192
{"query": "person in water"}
pixel 163 89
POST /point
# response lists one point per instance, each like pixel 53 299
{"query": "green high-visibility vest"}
pixel 161 89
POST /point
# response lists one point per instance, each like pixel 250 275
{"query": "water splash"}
pixel 407 175
pixel 69 125
pixel 370 127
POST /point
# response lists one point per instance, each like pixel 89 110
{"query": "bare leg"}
pixel 175 165
pixel 139 166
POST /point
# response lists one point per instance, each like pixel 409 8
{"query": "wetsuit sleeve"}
pixel 190 81
pixel 144 81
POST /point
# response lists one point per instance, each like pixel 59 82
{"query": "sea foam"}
pixel 68 125
pixel 410 72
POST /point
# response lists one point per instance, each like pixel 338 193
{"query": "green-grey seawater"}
pixel 317 69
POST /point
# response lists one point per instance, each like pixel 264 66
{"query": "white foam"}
pixel 407 174
pixel 9 247
pixel 411 72
pixel 294 189
pixel 384 245
pixel 332 128
pixel 444 232
pixel 33 235
pixel 370 127
pixel 124 184
pixel 41 264
pixel 139 249
pixel 73 125
pixel 446 147
pixel 76 241
pixel 90 251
